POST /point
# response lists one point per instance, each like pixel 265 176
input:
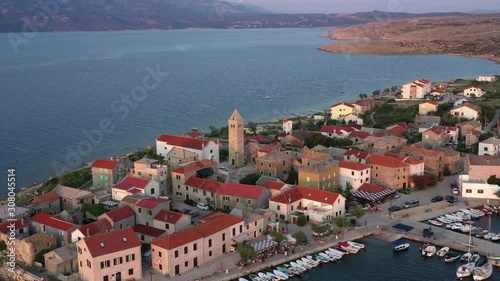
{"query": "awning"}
pixel 264 245
pixel 109 203
pixel 372 196
pixel 403 227
pixel 242 237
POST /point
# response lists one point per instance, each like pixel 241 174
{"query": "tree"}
pixel 252 127
pixel 278 237
pixel 3 246
pixel 376 93
pixel 301 220
pixel 39 256
pixel 93 209
pixel 250 179
pixel 424 181
pixel 322 229
pixel 347 191
pixel 292 178
pixel 493 180
pixel 357 211
pixel 446 171
pixel 341 222
pixel 76 178
pixel 223 154
pixel 246 251
pixel 300 236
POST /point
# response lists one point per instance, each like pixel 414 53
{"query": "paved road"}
pixel 490 126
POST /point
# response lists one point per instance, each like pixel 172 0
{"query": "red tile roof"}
pixel 471 87
pixel 204 184
pixel 212 224
pixel 131 182
pixel 47 197
pixel 194 134
pixel 406 159
pixel 97 227
pixel 424 81
pixel 359 134
pixel 257 138
pixel 476 133
pixel 357 153
pixel 351 165
pixel 431 102
pixel 449 128
pixel 195 166
pixel 421 151
pixel 148 230
pixel 120 213
pixel 112 242
pixel 335 129
pixel 386 161
pixel 396 130
pixel 289 196
pixel 275 185
pixel 105 164
pixel 241 190
pixel 299 192
pixel 286 120
pixel 186 142
pixel 151 202
pixel 342 103
pixel 4 227
pixel 371 188
pixel 48 220
pixel 272 146
pixel 168 216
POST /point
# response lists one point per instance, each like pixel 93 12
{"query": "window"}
pixel 89 264
pixel 195 247
pixel 159 254
pixel 209 253
pixel 167 226
pixel 269 165
pixel 178 186
pixel 234 231
pixel 105 264
pixel 139 210
pixel 185 250
pixel 187 188
pixel 269 174
pixel 80 250
pixel 117 261
pixel 237 200
pixel 223 237
pixel 352 173
pixel 152 191
pixel 160 266
pixel 186 264
pixel 480 191
pixel 176 254
pixel 210 243
pixel 225 198
pixel 177 177
pixel 131 271
pixel 249 202
pixel 376 175
pixel 142 237
pixel 278 207
pixel 468 191
pixel 241 228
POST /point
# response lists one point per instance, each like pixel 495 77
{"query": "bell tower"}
pixel 236 140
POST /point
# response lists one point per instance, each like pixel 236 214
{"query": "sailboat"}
pixel 486 270
pixel 466 269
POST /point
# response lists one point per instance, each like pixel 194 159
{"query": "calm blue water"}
pixel 378 262
pixel 60 84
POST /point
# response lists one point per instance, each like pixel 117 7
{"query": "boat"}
pixel 451 257
pixel 283 270
pixel 333 255
pixel 356 244
pixel 280 274
pixel 326 256
pixel 300 267
pixel 482 272
pixel 466 257
pixel 400 245
pixel 465 270
pixel 273 277
pixel 430 250
pixel 311 262
pixel 347 247
pixel 303 264
pixel 494 260
pixel 337 251
pixel 442 252
pixel 323 258
pixel 436 223
pixel 495 238
pixel 443 220
pixel 475 258
pixel 293 269
pixel 242 279
pixel 267 97
pixel 482 233
pixel 254 277
pixel 264 276
pixel 489 235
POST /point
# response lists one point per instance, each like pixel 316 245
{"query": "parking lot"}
pixel 180 206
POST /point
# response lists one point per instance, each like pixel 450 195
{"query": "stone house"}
pixel 354 173
pixel 425 122
pixel 183 173
pixel 427 106
pixel 436 136
pixel 481 167
pixel 199 190
pixel 355 155
pixel 46 203
pixel 433 159
pixel 19 227
pixel 206 149
pixel 131 185
pixel 311 157
pixel 274 164
pixel 45 223
pixel 146 234
pixel 146 207
pixel 466 127
pixel 472 137
pixel 106 173
pixel 120 218
pixel 62 260
pixel 100 226
pixel 150 169
pixel 322 175
pixel 417 167
pixel 389 172
pixel 26 249
pixel 72 199
pixel 231 194
pixel 256 221
pixel 382 143
pixel 171 222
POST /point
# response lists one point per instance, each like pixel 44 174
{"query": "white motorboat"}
pixel 356 244
pixel 496 237
pixel 347 247
pixel 482 272
pixel 295 269
pixel 465 270
pixel 337 251
pixel 326 256
pixel 466 257
pixel 333 254
pixel 443 220
pixel 280 274
pixel 489 235
pixel 436 223
pixel 466 228
pixel 456 226
pixel 442 252
pixel 304 264
pixel 451 257
pixel 273 277
pixel 264 277
pixel 313 263
pixel 453 218
pixel 430 250
pixel 300 265
pixel 402 247
pixel 322 258
pixel 285 270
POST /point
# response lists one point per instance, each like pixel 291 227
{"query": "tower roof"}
pixel 236 116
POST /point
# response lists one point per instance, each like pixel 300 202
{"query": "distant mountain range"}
pixel 94 15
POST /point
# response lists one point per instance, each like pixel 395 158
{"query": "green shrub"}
pixel 301 220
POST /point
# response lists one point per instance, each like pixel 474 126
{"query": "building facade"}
pixel 322 175
pixel 389 172
pixel 354 173
pixel 236 139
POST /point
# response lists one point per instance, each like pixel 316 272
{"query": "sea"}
pixel 70 97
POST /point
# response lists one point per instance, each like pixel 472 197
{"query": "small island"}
pixel 473 36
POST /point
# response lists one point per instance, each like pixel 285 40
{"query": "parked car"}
pixel 202 206
pixel 437 198
pixel 194 213
pixel 454 191
pixel 184 211
pixel 190 202
pixel 411 203
pixel 366 207
pixel 352 222
pixel 451 199
pixel 395 208
pixel 405 191
pixel 354 204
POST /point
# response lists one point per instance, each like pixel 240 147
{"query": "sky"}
pixel 351 6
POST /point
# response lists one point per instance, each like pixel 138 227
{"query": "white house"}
pixel 486 79
pixel 132 185
pixel 468 110
pixel 416 89
pixel 438 93
pixel 351 118
pixel 452 131
pixel 490 146
pixel 340 110
pixel 354 173
pixel 287 126
pixel 206 149
pixel 471 90
pixel 460 102
pixel 477 188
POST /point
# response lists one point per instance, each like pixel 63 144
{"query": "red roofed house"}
pixel 433 159
pixel 121 217
pixel 296 138
pixel 336 131
pixel 310 157
pixel 199 190
pixel 181 174
pixel 340 110
pixel 322 175
pixel 231 194
pixel 354 173
pixel 194 133
pixel 275 164
pixel 206 149
pixel 436 136
pixel 171 222
pixel 106 173
pixel 472 137
pixel 317 205
pixel 427 106
pixel 389 172
pixel 110 256
pixel 363 105
pixel 382 143
pixel 473 91
pixel 466 127
pixel 287 126
pixel 133 185
pixel 19 227
pixel 150 169
pixel 416 89
pixel 356 156
pixel 468 110
pixel 147 233
pixel 97 227
pixel 416 166
pixel 46 203
pixel 357 136
pixel 181 251
pixel 146 207
pixel 46 223
pixel 276 187
pixel 452 131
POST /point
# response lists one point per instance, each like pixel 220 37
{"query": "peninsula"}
pixel 473 36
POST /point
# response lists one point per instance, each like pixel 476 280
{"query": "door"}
pixel 404 184
pixel 118 276
pixel 177 271
pixel 195 262
pixel 187 196
pixel 224 248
